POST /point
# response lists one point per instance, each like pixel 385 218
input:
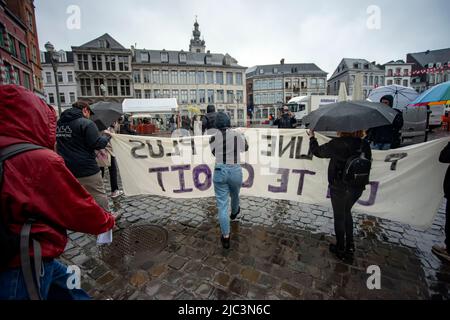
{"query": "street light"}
pixel 54 59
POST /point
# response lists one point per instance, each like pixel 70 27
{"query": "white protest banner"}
pixel 406 184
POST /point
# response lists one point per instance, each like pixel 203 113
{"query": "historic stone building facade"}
pixel 103 70
pixel 196 78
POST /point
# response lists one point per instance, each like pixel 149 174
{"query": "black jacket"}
pixel 445 158
pixel 285 122
pixel 339 150
pixel 77 139
pixel 209 121
pixel 389 133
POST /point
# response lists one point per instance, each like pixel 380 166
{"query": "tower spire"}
pixel 197 45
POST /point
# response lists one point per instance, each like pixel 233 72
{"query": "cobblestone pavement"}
pixel 279 250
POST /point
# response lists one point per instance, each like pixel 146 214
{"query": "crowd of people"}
pixel 52 182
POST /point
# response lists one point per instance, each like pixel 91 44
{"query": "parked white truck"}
pixel 304 105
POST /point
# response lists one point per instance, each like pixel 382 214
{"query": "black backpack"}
pixel 11 244
pixel 357 170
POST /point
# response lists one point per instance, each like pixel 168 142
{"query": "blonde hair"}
pixel 357 134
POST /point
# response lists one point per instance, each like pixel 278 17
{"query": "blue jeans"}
pixel 227 182
pixel 53 284
pixel 380 146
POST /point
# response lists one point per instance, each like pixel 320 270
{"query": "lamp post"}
pixel 54 59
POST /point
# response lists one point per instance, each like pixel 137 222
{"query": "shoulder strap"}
pixel 32 282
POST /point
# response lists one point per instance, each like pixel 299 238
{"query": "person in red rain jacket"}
pixel 38 182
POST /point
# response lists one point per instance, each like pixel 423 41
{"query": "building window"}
pixel 147 76
pixel 144 57
pixel 138 94
pixel 209 77
pixel 390 82
pixel 321 83
pixel 240 96
pixel 51 98
pixel 176 95
pixel 112 88
pixel 230 78
pixel 183 58
pixel 12 46
pixel 240 113
pixel 165 76
pixel 156 78
pixel 230 96
pixel 193 96
pixel 48 77
pixel 365 80
pixel 125 87
pixel 405 72
pixel 166 93
pixel 200 77
pixel 137 76
pixel 33 53
pixel 156 93
pixel 97 87
pixel 174 77
pixel 69 76
pixel 183 77
pixel 97 62
pixel 23 53
pixel 62 98
pixel 86 90
pixel 184 96
pixel 376 81
pixel 261 71
pixel 220 96
pixel 164 57
pixel 110 63
pixel 191 78
pixel 201 96
pixel 60 77
pixel 103 44
pixel 72 97
pixel 390 73
pixel 405 83
pixel 208 60
pixel 239 78
pixel 371 80
pixel 148 94
pixel 26 81
pixel 123 63
pixel 210 96
pixel 219 77
pixel 83 63
pixel 3 36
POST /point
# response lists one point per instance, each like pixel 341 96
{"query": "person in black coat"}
pixel 441 252
pixel 343 197
pixel 209 120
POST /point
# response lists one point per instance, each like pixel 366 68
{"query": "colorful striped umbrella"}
pixel 437 95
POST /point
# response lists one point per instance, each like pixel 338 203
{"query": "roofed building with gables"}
pixel 103 70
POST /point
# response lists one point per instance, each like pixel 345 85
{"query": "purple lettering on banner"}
pixel 302 179
pixel 159 172
pixel 160 147
pixel 251 175
pixel 181 170
pixel 283 181
pixel 374 185
pixel 205 170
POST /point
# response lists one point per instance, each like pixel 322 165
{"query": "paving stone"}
pixel 238 286
pixel 139 278
pixel 177 262
pixel 250 275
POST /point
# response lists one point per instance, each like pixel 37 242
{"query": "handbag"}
pixel 103 158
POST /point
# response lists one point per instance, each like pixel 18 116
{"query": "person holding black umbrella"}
pixel 348 174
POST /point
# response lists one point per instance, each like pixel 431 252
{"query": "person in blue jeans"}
pixel 227 145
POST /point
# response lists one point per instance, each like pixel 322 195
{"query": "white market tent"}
pixel 150 106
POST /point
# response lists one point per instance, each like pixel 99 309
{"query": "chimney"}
pixel 282 61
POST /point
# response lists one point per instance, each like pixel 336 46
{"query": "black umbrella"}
pixel 105 113
pixel 350 116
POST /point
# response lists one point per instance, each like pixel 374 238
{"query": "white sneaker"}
pixel 116 194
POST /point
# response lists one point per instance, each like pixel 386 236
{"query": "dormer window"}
pixel 164 57
pixel 208 59
pixel 261 71
pixel 275 70
pixel 366 66
pixel 144 57
pixel 356 65
pixel 183 57
pixel 103 44
pixel 430 65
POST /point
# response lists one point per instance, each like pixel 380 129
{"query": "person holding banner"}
pixel 227 145
pixel 343 151
pixel 441 252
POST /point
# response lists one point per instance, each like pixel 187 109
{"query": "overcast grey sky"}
pixel 257 31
